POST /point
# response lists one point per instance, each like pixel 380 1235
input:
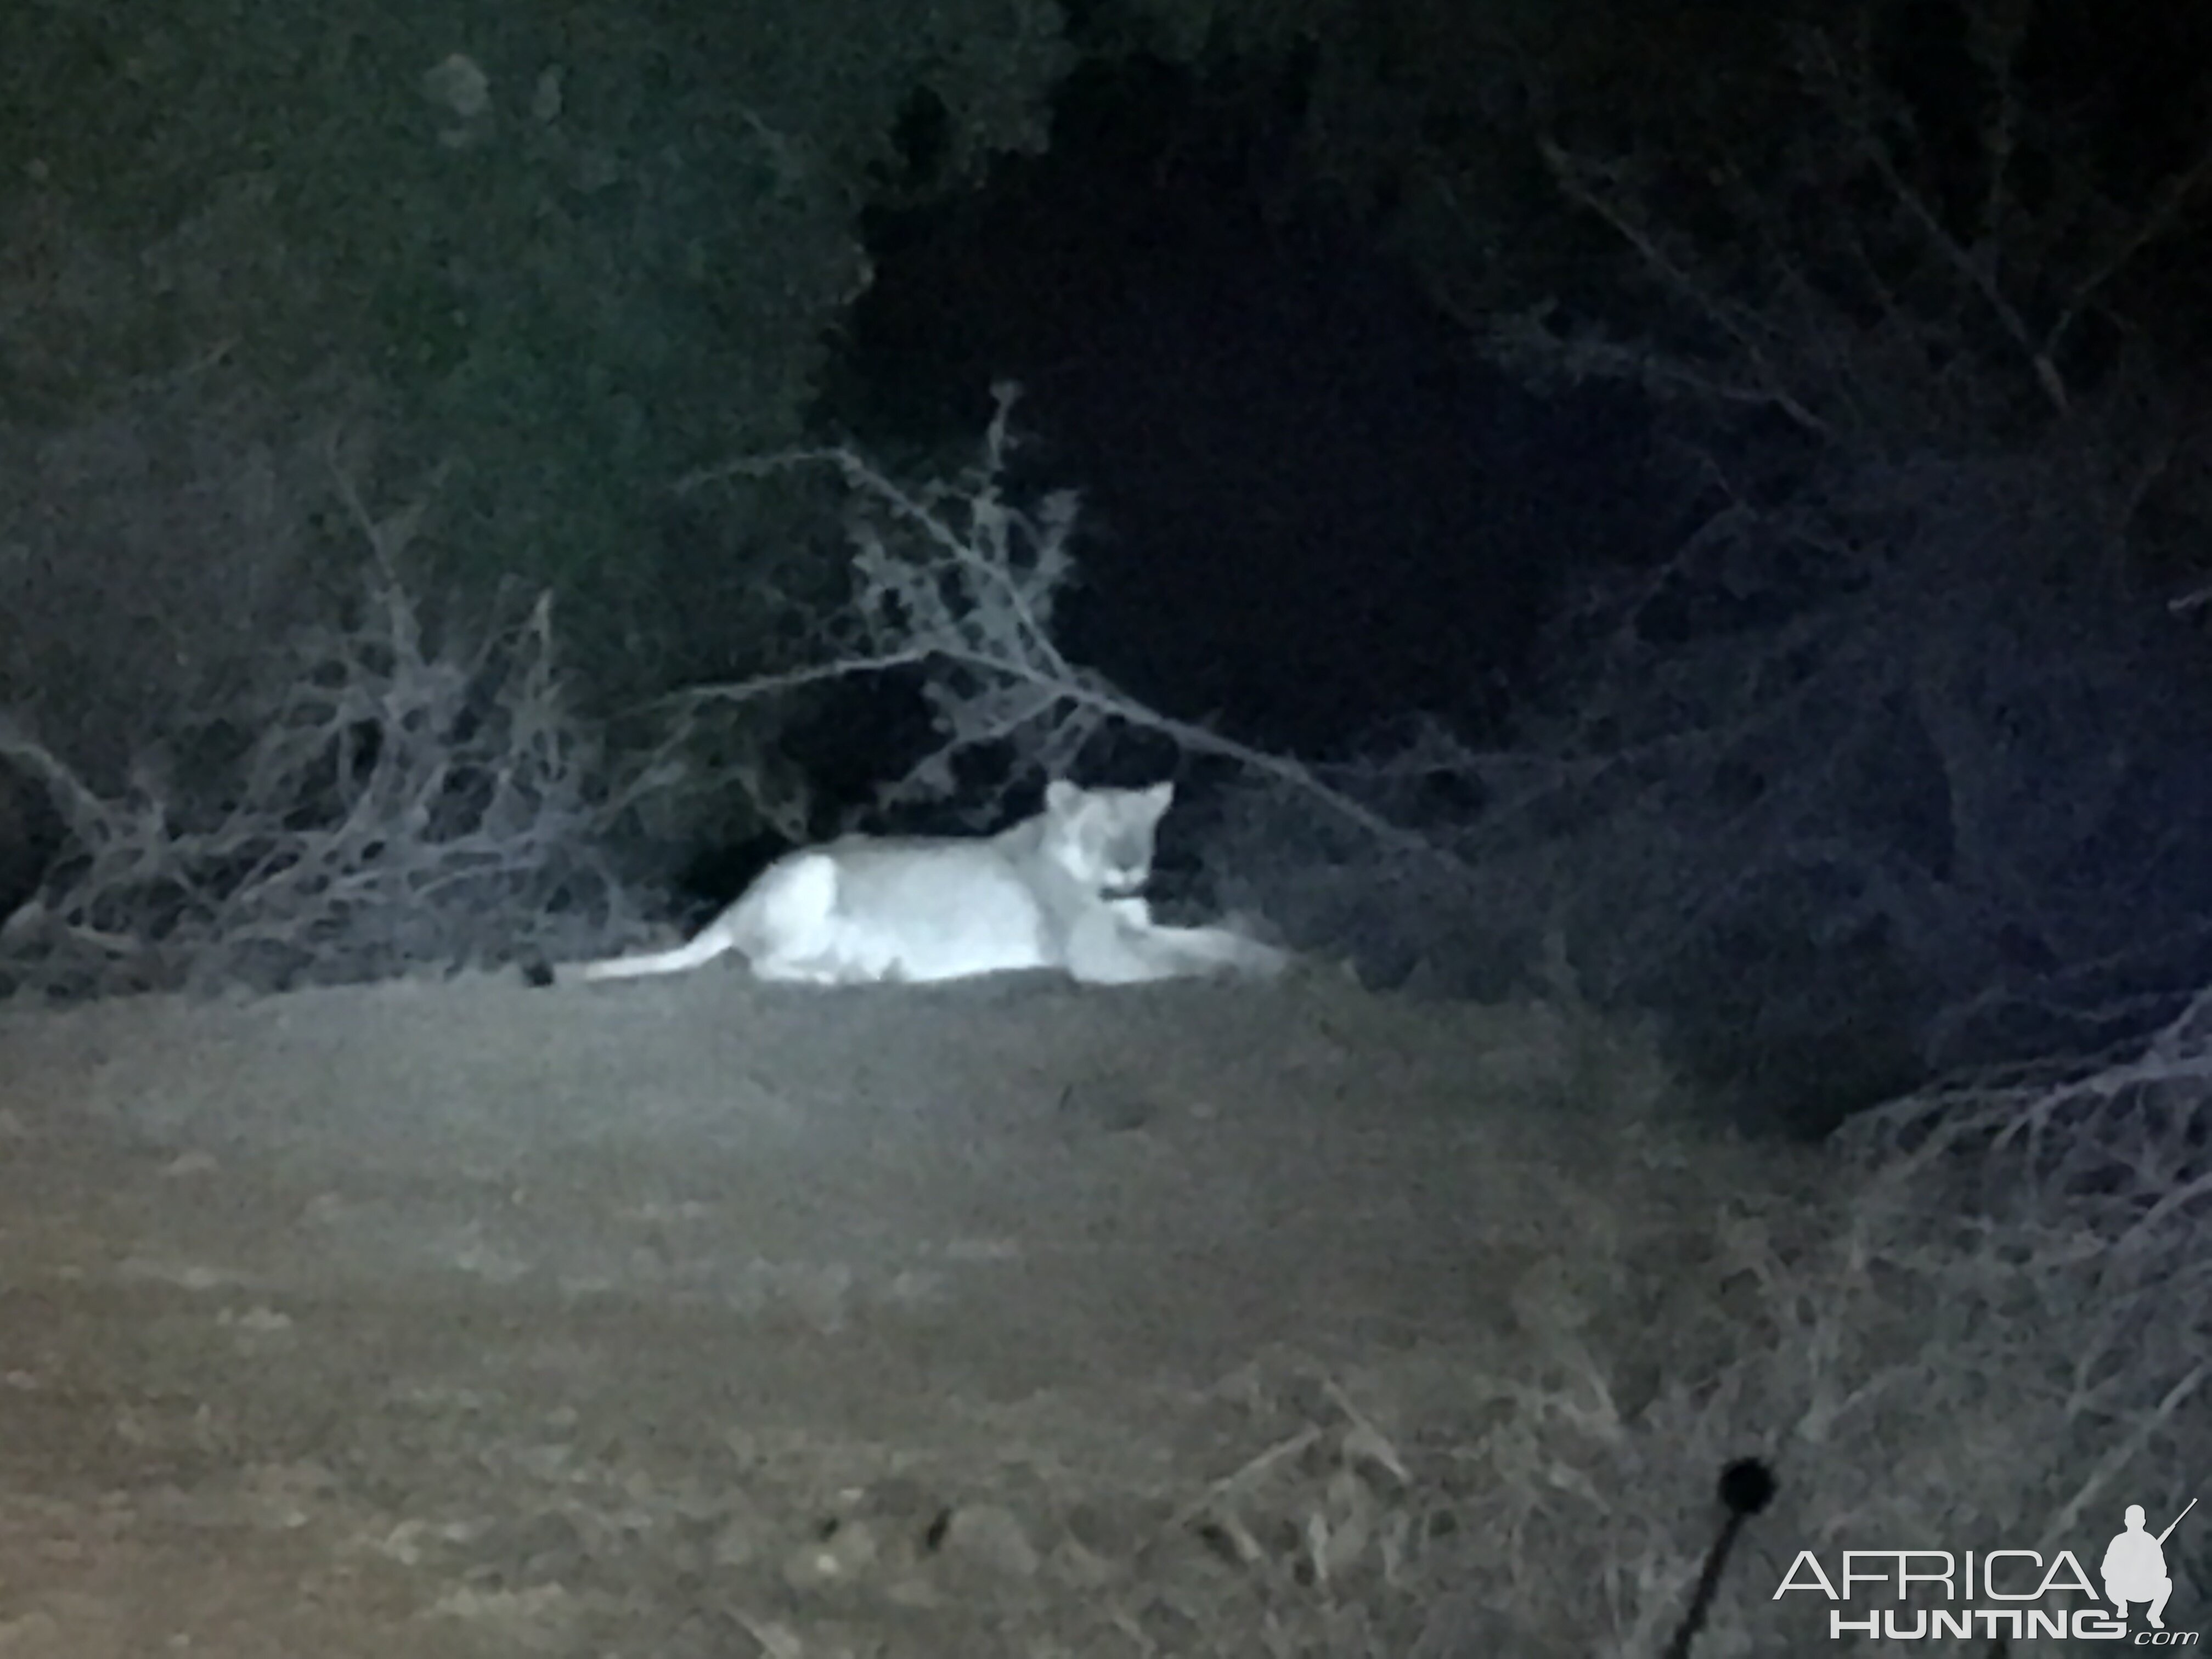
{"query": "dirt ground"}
pixel 695 1317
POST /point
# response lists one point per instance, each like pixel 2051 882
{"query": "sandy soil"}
pixel 695 1317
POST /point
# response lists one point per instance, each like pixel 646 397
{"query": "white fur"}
pixel 1061 890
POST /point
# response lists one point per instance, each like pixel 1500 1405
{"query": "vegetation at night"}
pixel 452 486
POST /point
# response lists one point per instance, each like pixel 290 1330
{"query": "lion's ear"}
pixel 1060 797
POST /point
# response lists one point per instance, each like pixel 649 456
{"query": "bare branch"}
pixel 956 578
pixel 389 805
pixel 1979 274
pixel 1580 180
pixel 2164 215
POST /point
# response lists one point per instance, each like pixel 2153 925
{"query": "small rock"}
pixel 990 1535
pixel 741 1540
pixel 839 1556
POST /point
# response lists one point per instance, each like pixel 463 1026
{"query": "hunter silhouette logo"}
pixel 2134 1565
